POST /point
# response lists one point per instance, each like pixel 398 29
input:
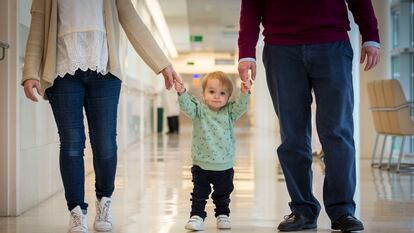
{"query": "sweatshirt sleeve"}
pixel 364 16
pixel 239 106
pixel 189 105
pixel 250 18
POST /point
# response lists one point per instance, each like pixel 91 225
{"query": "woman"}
pixel 72 57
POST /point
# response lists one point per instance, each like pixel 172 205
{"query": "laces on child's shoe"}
pixel 195 223
pixel 223 222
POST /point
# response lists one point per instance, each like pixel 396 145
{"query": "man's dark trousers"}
pixel 292 72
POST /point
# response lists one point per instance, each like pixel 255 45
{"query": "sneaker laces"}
pixel 194 219
pixel 76 219
pixel 103 212
pixel 290 216
pixel 223 219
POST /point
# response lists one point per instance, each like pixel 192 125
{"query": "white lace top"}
pixel 82 42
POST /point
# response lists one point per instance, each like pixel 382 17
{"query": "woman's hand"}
pixel 28 89
pixel 170 76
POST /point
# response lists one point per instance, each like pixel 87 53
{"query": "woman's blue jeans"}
pixel 99 95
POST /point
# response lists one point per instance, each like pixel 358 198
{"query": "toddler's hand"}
pixel 179 87
pixel 245 86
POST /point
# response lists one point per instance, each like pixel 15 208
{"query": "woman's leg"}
pixel 66 99
pixel 101 106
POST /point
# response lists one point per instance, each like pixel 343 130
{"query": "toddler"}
pixel 213 145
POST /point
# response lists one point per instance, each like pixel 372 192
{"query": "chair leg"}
pixel 393 139
pixel 374 150
pixel 401 155
pixel 382 151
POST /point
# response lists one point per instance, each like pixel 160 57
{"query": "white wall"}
pixel 8 109
pixel 264 115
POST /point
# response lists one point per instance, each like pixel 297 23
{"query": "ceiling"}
pixel 215 20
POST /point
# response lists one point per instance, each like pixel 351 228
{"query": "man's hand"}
pixel 244 68
pixel 372 54
pixel 28 89
pixel 170 76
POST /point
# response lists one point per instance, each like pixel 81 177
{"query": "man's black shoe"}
pixel 296 222
pixel 347 223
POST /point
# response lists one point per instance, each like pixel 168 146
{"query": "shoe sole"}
pixel 69 231
pixel 193 229
pixel 77 231
pixel 102 229
pixel 306 227
pixel 348 229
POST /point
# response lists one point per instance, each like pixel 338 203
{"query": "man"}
pixel 307 47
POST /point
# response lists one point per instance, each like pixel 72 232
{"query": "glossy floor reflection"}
pixel 154 183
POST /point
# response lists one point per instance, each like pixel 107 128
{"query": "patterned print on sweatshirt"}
pixel 213 142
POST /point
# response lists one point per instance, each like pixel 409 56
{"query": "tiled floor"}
pixel 153 189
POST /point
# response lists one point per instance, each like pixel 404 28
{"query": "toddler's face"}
pixel 215 94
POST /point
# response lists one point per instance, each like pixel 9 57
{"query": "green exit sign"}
pixel 196 38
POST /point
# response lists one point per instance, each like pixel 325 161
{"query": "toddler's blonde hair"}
pixel 222 77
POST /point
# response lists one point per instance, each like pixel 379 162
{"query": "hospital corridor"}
pixel 156 137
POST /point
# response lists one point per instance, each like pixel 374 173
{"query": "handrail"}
pixel 4 46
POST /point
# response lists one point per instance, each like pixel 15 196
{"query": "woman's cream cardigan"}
pixel 40 58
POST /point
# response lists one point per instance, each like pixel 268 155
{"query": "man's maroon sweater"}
pixel 296 22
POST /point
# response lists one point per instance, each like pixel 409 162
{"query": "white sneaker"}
pixel 223 222
pixel 103 218
pixel 78 222
pixel 195 223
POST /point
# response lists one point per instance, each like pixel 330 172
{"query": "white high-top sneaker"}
pixel 195 223
pixel 223 222
pixel 103 219
pixel 78 222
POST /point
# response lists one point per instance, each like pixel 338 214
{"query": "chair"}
pixel 391 113
pixel 377 123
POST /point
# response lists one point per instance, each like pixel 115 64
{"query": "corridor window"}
pixel 395 67
pixel 402 55
pixel 395 29
pixel 412 24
